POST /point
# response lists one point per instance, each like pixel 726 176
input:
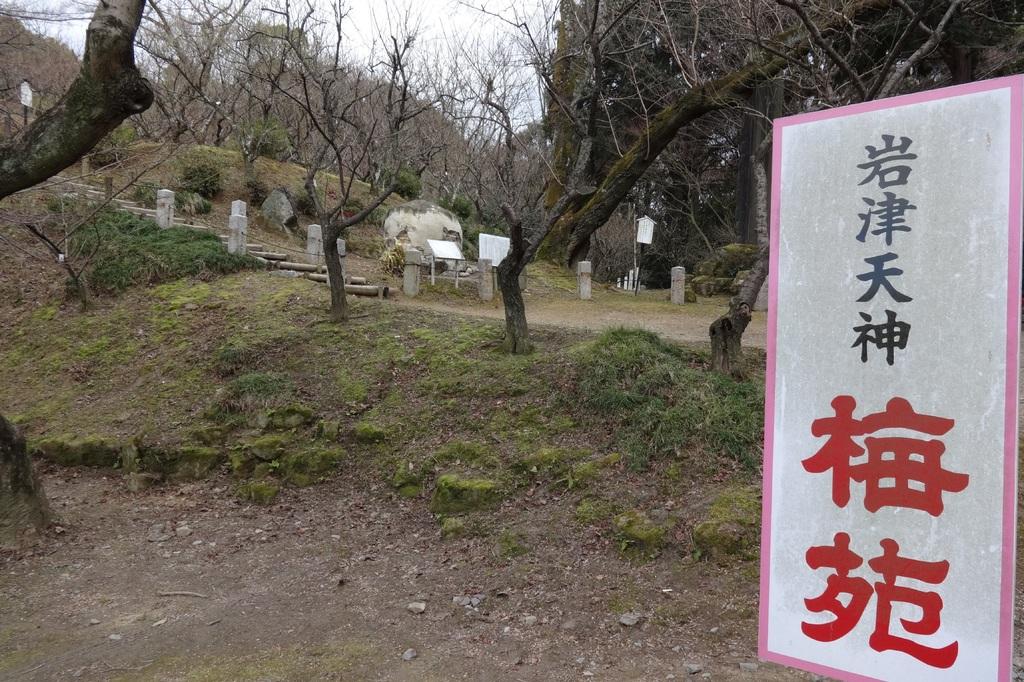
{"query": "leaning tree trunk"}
pixel 727 331
pixel 23 505
pixel 517 334
pixel 335 274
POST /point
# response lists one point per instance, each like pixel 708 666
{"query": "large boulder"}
pixel 279 211
pixel 414 222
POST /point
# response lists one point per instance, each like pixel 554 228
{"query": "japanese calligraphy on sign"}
pixel 892 387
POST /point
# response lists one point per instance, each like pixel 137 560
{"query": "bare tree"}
pixel 354 119
pixel 107 90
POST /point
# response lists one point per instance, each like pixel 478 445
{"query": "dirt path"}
pixel 688 323
pixel 316 588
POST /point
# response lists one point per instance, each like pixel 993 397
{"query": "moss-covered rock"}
pixel 689 295
pixel 407 480
pixel 548 461
pixel 454 494
pixel 259 492
pixel 267 448
pixel 328 429
pixel 731 527
pixel 582 473
pixel 733 258
pixel 366 432
pixel 306 466
pixel 289 417
pixel 91 451
pixel 638 536
pixel 196 462
pixel 467 452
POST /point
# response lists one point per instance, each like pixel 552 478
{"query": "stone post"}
pixel 678 291
pixel 486 279
pixel 341 259
pixel 315 245
pixel 86 166
pixel 164 208
pixel 108 188
pixel 238 234
pixel 411 274
pixel 583 279
pixel 238 207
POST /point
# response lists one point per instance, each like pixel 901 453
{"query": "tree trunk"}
pixel 766 104
pixel 517 334
pixel 727 331
pixel 335 275
pixel 23 504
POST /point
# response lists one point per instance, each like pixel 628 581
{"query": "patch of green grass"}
pixel 127 251
pixel 256 390
pixel 665 399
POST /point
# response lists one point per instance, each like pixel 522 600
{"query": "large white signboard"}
pixel 891 405
pixel 494 248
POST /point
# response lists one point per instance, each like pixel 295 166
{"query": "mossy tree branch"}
pixel 108 89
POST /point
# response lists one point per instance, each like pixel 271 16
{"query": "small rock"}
pixel 158 533
pixel 528 620
pixel 587 673
pixel 462 601
pixel 116 638
pixel 629 619
pixel 93 621
pixel 693 668
pixel 159 622
pixel 416 607
pixel 409 654
pixel 714 630
pixel 748 667
pixel 183 531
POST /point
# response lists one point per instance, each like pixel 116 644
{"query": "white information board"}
pixel 444 250
pixel 891 387
pixel 26 94
pixel 494 248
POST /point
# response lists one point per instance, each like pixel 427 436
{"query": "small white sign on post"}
pixel 441 249
pixel 26 94
pixel 494 248
pixel 891 387
pixel 644 230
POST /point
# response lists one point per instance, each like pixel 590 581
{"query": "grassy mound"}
pixel 126 251
pixel 663 398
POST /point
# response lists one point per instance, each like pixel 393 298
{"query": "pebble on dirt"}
pixel 629 619
pixel 409 654
pixel 416 607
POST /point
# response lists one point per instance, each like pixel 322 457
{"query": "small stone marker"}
pixel 583 270
pixel 164 208
pixel 315 245
pixel 341 259
pixel 486 279
pixel 238 229
pixel 678 295
pixel 411 274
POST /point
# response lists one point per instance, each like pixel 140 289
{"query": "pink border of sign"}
pixel 1016 86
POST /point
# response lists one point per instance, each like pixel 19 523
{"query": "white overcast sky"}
pixel 440 20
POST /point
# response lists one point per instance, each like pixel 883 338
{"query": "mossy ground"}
pixel 247 376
